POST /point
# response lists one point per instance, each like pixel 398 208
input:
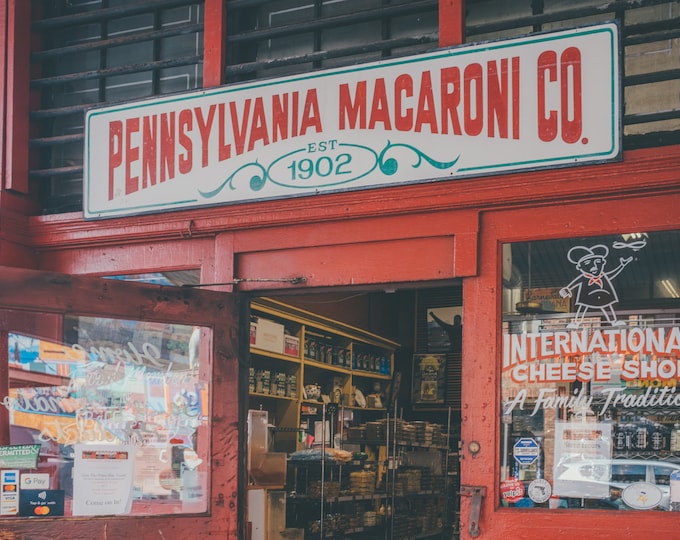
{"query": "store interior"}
pixel 403 316
pixel 371 380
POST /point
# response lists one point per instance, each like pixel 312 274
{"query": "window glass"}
pixel 590 368
pixel 107 417
pixel 96 52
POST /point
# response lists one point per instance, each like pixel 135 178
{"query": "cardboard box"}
pixel 253 332
pixel 291 346
pixel 269 336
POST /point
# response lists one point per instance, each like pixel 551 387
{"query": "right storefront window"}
pixel 590 373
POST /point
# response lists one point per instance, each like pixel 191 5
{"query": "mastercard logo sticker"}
pixel 41 510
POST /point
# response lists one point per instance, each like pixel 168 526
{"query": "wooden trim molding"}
pixel 643 171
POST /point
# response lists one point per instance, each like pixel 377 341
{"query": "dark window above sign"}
pixel 535 272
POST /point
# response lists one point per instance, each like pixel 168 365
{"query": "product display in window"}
pixel 590 405
pixel 114 417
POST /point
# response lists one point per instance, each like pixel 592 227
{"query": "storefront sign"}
pixel 597 388
pixel 545 100
pixel 627 367
pixel 524 354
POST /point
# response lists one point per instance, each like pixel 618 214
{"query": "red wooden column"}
pixel 214 42
pixel 16 38
pixel 3 86
pixel 4 387
pixel 14 106
pixel 451 22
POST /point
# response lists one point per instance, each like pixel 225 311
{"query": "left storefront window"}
pixel 107 417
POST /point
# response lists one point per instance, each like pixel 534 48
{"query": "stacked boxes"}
pixel 362 482
pixel 268 335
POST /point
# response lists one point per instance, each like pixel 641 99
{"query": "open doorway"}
pixel 354 413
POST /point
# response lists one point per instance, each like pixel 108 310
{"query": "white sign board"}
pixel 545 100
pixel 102 479
pixel 583 459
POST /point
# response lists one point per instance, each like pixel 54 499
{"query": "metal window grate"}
pixel 268 39
pixel 651 52
pixel 97 52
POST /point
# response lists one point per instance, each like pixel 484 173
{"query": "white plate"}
pixel 642 495
pixel 359 398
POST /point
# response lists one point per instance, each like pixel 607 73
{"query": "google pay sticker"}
pixel 41 502
pixel 37 481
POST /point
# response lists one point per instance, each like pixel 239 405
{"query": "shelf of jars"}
pixel 650 434
pixel 300 361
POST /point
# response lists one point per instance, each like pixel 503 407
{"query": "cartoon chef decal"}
pixel 593 287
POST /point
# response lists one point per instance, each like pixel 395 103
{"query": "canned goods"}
pixel 279 388
pixel 262 381
pixel 291 386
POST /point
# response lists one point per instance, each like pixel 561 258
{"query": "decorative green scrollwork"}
pixel 390 166
pixel 257 181
pixel 345 164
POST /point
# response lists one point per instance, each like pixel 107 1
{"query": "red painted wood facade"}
pixel 411 234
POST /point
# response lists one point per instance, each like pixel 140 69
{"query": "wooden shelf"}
pixel 276 356
pixel 272 396
pixel 336 379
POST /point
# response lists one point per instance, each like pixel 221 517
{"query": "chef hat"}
pixel 579 254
